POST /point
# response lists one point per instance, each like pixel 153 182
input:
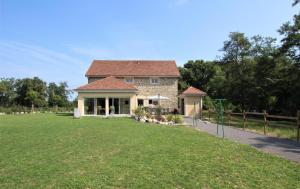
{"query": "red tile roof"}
pixel 192 91
pixel 104 68
pixel 108 83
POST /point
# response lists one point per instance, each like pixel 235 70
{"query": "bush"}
pixel 139 111
pixel 178 119
pixel 170 117
pixel 158 112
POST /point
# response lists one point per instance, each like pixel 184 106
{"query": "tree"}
pixel 197 73
pixel 296 2
pixel 262 46
pixel 236 48
pixel 291 38
pixel 58 94
pixel 7 91
pixel 31 92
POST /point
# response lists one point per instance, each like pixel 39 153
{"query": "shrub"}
pixel 158 112
pixel 170 117
pixel 178 119
pixel 139 111
pixel 148 115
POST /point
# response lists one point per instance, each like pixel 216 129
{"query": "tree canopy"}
pixel 253 73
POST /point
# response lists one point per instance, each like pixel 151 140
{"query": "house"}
pixel 190 102
pixel 118 87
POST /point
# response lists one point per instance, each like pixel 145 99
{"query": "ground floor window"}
pixel 124 106
pixel 119 106
pixel 97 106
pixel 140 102
pixel 153 102
pixel 88 106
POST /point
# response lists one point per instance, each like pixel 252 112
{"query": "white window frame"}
pixel 132 79
pixel 154 83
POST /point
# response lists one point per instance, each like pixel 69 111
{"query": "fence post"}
pixel 208 114
pixel 229 117
pixel 244 118
pixel 265 121
pixel 298 124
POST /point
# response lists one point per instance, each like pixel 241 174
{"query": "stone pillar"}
pixel 106 106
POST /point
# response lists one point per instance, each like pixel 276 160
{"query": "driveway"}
pixel 285 148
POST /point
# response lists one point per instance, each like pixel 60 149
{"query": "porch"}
pixel 107 106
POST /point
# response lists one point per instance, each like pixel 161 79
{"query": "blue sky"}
pixel 57 40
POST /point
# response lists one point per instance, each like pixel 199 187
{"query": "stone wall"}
pixel 167 87
pixel 92 79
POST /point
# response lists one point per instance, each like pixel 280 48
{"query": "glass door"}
pixel 114 106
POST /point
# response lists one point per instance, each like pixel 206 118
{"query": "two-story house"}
pixel 120 86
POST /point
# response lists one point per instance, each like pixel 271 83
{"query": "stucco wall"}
pixel 192 106
pixel 82 95
pixel 168 87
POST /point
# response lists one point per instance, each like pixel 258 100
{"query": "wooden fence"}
pixel 265 116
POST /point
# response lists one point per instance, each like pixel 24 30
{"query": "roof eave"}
pixel 177 76
pixel 106 90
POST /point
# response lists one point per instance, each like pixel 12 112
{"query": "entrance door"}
pixel 182 107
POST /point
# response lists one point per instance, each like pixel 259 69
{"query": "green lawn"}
pixel 284 129
pixel 57 151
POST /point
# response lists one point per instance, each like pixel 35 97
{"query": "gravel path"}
pixel 282 147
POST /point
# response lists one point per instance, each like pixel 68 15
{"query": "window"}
pixel 89 106
pixel 154 80
pixel 140 102
pixel 129 79
pixel 150 101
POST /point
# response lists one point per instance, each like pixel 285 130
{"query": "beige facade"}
pixel 191 105
pixel 82 95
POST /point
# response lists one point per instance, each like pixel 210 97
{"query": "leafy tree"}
pixel 296 2
pixel 262 46
pixel 31 92
pixel 7 91
pixel 236 48
pixel 58 94
pixel 291 38
pixel 197 73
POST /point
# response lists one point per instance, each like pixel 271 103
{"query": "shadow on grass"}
pixel 64 114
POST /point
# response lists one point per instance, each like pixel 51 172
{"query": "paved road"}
pixel 282 147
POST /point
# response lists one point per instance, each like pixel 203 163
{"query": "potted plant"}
pixel 112 110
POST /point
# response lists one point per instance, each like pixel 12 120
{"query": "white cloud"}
pixel 25 60
pixel 93 53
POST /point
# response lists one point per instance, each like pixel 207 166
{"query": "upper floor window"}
pixel 154 80
pixel 129 79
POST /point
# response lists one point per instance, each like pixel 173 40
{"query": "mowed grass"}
pixel 279 128
pixel 57 151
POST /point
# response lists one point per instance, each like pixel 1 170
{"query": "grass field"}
pixel 57 151
pixel 284 129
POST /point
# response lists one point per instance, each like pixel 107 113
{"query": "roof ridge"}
pixel 166 68
pixel 127 60
pixel 99 85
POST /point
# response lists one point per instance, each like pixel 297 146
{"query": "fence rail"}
pixel 265 116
